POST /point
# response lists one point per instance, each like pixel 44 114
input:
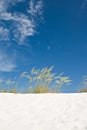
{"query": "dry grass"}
pixel 38 80
pixel 84 90
pixel 3 91
pixel 8 91
pixel 13 91
pixel 41 89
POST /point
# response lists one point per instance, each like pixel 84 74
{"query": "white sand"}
pixel 43 112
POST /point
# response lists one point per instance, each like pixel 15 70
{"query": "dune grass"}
pixel 38 81
pixel 84 85
pixel 84 90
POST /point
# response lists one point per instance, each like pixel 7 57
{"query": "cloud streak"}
pixel 4 34
pixel 6 63
pixel 16 25
pixel 35 8
pixel 22 25
pixel 84 4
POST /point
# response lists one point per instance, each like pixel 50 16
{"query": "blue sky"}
pixel 39 33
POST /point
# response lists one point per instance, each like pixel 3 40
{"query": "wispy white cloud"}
pixel 22 25
pixel 17 25
pixel 35 8
pixel 4 34
pixel 84 4
pixel 4 4
pixel 48 47
pixel 6 63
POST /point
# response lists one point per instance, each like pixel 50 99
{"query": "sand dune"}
pixel 43 112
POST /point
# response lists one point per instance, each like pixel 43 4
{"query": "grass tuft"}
pixel 41 89
pixel 84 90
pixel 37 81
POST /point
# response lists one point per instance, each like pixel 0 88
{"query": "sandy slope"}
pixel 43 112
